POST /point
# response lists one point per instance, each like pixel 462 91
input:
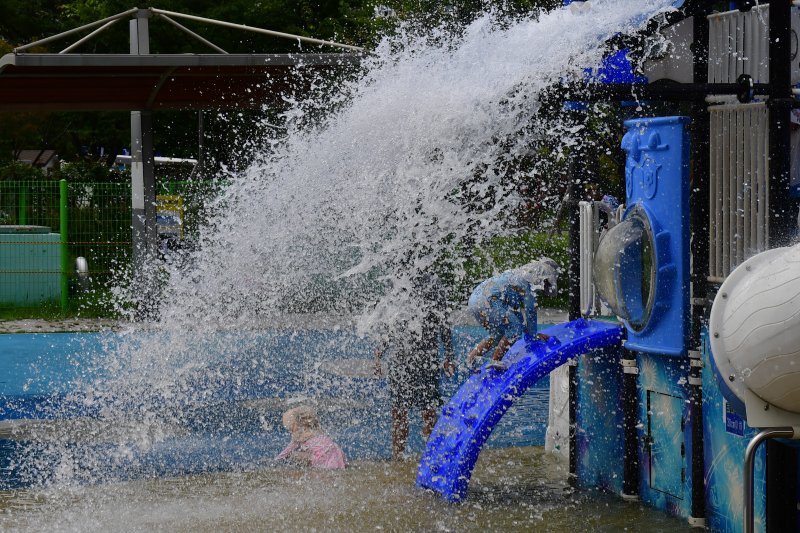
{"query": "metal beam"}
pixel 782 207
pixel 180 60
pixel 75 30
pixel 282 35
pixel 699 202
pixel 82 40
pixel 191 33
pixel 143 185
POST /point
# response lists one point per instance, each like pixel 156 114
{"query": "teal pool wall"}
pixel 237 425
pixel 30 268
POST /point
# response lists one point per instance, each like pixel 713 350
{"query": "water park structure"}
pixel 710 201
pixel 682 336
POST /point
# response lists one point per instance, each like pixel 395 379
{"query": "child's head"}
pixel 302 418
pixel 541 275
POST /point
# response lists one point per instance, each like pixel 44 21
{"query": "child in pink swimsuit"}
pixel 309 445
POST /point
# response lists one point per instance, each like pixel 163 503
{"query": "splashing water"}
pixel 417 160
pixel 382 187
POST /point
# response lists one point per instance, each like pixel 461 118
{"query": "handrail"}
pixel 749 463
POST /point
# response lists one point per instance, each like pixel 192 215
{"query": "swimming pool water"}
pixel 236 425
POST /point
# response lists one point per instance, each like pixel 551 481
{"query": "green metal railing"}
pixel 63 211
pixel 90 220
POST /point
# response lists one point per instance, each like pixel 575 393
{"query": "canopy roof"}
pixel 102 82
pixel 69 81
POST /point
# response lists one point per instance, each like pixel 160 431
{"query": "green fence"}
pixel 46 225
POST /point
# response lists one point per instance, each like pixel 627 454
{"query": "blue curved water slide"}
pixel 472 413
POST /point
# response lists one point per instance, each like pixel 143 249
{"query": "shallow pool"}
pixel 60 424
pixel 67 465
pixel 513 489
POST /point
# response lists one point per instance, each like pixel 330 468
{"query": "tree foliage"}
pixel 84 136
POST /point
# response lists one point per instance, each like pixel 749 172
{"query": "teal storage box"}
pixel 30 265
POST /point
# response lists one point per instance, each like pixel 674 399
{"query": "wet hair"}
pixel 303 416
pixel 541 274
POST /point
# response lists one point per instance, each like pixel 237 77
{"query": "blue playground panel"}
pixel 473 412
pixel 657 182
pixel 726 436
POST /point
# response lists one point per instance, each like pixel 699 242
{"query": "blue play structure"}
pixel 678 416
pixel 656 188
pixel 472 413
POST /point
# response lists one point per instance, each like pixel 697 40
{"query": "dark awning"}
pixel 125 82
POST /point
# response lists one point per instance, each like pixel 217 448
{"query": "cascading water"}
pixel 415 161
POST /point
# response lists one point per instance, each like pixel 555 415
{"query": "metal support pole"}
pixel 577 174
pixel 749 464
pixel 699 201
pixel 143 188
pixel 782 207
pixel 698 503
pixel 573 421
pixel 23 204
pixel 781 486
pixel 63 205
pixel 630 399
pixel 574 243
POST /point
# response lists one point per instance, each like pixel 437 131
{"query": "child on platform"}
pixel 506 306
pixel 309 446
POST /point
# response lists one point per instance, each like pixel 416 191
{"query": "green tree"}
pixel 22 21
pixel 80 136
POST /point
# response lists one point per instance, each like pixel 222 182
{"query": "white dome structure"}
pixel 755 329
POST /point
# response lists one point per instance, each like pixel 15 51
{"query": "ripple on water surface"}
pixel 514 489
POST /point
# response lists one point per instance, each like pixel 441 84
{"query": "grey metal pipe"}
pixel 82 40
pixel 193 34
pixel 256 30
pixel 76 30
pixel 749 464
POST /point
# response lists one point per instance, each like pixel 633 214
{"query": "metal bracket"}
pixel 697 522
pixel 629 366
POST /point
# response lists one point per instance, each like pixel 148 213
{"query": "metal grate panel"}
pixel 739 180
pixel 739 44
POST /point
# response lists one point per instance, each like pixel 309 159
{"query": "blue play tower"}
pixel 703 415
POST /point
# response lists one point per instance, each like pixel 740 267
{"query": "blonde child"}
pixel 309 446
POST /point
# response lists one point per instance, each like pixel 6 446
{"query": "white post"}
pixel 143 187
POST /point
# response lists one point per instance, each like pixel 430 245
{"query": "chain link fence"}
pixel 63 244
